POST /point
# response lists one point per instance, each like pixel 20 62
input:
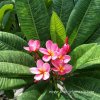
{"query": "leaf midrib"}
pixel 85 53
pixel 83 17
pixel 16 65
pixel 8 45
pixel 82 20
pixel 61 8
pixel 32 18
pixel 91 92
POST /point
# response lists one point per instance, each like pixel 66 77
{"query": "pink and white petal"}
pixel 44 51
pixel 63 51
pixel 36 44
pixel 31 42
pixel 48 44
pixel 68 68
pixel 46 76
pixel 60 51
pixel 54 57
pixel 27 48
pixel 34 70
pixel 54 69
pixel 46 58
pixel 40 63
pixel 66 47
pixel 32 48
pixel 54 47
pixel 67 58
pixel 46 66
pixel 38 77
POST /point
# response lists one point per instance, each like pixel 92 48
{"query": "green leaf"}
pixel 47 95
pixel 3 2
pixel 84 88
pixel 3 10
pixel 32 93
pixel 63 9
pixel 64 97
pixel 95 38
pixel 85 55
pixel 72 37
pixel 38 92
pixel 8 83
pixel 33 18
pixel 16 57
pixel 75 1
pixel 84 17
pixel 26 19
pixel 11 41
pixel 77 15
pixel 48 3
pixel 57 30
pixel 93 59
pixel 9 70
pixel 14 69
pixel 6 19
pixel 94 73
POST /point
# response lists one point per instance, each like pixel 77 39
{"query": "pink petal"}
pixel 67 58
pixel 66 48
pixel 55 69
pixel 46 66
pixel 38 77
pixel 46 58
pixel 40 63
pixel 62 73
pixel 32 48
pixel 34 70
pixel 54 47
pixel 31 42
pixel 44 51
pixel 55 63
pixel 46 76
pixel 62 51
pixel 27 48
pixel 55 56
pixel 36 45
pixel 68 68
pixel 48 44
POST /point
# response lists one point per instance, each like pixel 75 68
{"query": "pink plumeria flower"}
pixel 42 71
pixel 62 56
pixel 50 52
pixel 66 48
pixel 61 68
pixel 33 45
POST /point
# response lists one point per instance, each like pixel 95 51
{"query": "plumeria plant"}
pixel 50 49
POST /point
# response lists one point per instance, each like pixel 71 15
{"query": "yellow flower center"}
pixel 42 71
pixel 51 53
pixel 61 57
pixel 61 68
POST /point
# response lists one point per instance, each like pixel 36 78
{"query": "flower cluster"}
pixel 55 60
